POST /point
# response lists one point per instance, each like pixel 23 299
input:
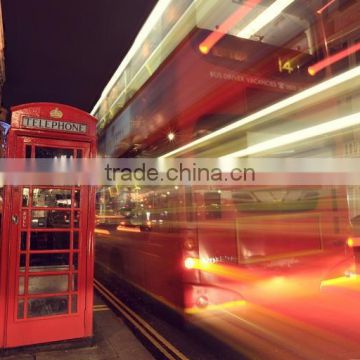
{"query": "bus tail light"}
pixel 189 263
pixel 202 301
pixel 353 241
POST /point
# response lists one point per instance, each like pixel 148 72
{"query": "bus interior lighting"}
pixel 283 104
pixel 314 69
pixel 264 18
pixel 229 23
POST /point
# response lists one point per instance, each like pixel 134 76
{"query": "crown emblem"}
pixel 56 113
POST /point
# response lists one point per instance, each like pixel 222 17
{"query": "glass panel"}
pixel 20 314
pixel 74 303
pixel 25 197
pixel 353 198
pixel 28 151
pixel 75 282
pixel 47 306
pixel 48 284
pixel 79 153
pixel 22 262
pixel 50 219
pixel 1 200
pixel 213 205
pixel 23 241
pixel 77 198
pixel 76 240
pixel 49 262
pixel 49 152
pixel 76 219
pixel 38 219
pixel 49 240
pixel 21 285
pixel 75 261
pixel 52 198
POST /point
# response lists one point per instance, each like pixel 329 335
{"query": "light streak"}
pixel 283 104
pixel 314 69
pixel 102 231
pixel 264 18
pixel 297 136
pixel 230 22
pixel 148 26
pixel 325 6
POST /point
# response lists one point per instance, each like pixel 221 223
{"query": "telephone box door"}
pixel 48 248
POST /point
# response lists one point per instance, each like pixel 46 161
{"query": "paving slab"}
pixel 113 339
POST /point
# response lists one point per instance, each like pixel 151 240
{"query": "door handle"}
pixel 14 219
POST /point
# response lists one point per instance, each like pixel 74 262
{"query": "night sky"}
pixel 66 50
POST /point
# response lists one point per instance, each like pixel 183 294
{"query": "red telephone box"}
pixel 46 259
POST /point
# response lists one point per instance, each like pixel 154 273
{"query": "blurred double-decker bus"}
pixel 269 79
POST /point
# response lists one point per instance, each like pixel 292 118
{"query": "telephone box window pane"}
pixel 21 285
pixel 28 151
pixel 20 314
pixel 49 240
pixel 75 282
pixel 38 219
pixel 77 198
pixel 1 200
pixel 50 219
pixel 79 153
pixel 49 262
pixel 25 197
pixel 52 153
pixel 48 284
pixel 76 240
pixel 76 219
pixel 56 305
pixel 74 303
pixel 51 198
pixel 23 241
pixel 75 261
pixel 22 262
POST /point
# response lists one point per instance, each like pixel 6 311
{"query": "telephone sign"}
pixel 29 122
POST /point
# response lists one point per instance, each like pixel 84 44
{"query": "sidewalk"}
pixel 113 340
